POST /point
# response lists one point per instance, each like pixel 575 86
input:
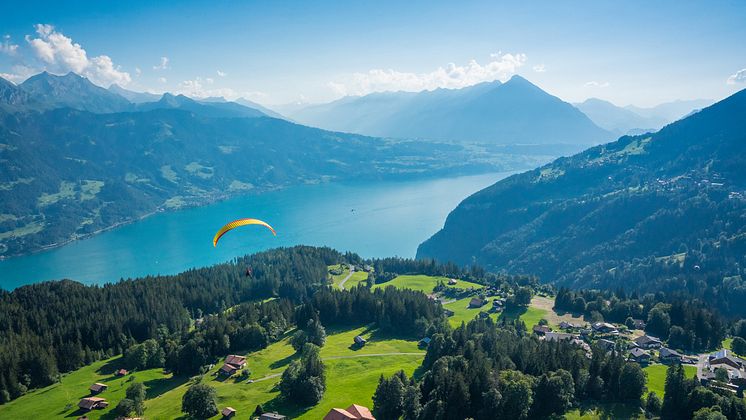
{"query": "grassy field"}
pixel 728 344
pixel 547 305
pixel 460 307
pixel 61 400
pixel 425 284
pixel 657 377
pixel 356 278
pixel 352 376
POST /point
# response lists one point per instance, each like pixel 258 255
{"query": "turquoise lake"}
pixel 372 219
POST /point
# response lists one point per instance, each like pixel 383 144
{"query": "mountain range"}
pixel 636 120
pixel 78 158
pixel 514 112
pixel 656 212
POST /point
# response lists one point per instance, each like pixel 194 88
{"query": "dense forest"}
pixel 664 211
pixel 486 371
pixel 54 327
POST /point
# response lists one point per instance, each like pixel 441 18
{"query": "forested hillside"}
pixel 659 212
pixel 59 326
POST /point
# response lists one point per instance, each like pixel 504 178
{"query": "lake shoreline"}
pixel 371 218
pixel 217 198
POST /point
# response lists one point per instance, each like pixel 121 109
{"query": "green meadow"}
pixel 352 377
pixel 424 284
pixel 657 377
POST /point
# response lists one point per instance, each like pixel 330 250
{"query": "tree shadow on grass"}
pixel 512 314
pixel 280 405
pixel 111 366
pixel 378 335
pixel 283 362
pixel 419 372
pixel 611 411
pixel 160 386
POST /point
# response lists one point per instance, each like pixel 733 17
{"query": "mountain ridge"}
pixel 514 112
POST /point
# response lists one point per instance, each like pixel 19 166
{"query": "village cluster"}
pixel 721 369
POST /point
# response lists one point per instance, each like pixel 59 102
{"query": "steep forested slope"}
pixel 665 211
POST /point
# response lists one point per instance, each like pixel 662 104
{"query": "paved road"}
pixel 274 375
pixel 701 363
pixel 342 283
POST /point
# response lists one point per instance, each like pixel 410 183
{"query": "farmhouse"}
pixel 605 344
pixel 605 328
pixel 97 388
pixel 272 416
pixel 725 357
pixel 452 282
pixel 639 355
pixel 353 412
pixel 541 329
pixel 121 372
pixel 476 302
pixel 448 312
pixel 424 342
pixel 228 412
pixel 92 403
pixel 359 341
pixel 232 364
pixel 564 325
pixel 666 355
pixel 558 336
pixel 648 342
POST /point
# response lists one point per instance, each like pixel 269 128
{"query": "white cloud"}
pixel 162 79
pixel 210 80
pixel 20 73
pixel 163 64
pixel 138 72
pixel 196 88
pixel 452 76
pixel 739 77
pixel 7 47
pixel 222 73
pixel 595 84
pixel 540 68
pixel 255 95
pixel 60 54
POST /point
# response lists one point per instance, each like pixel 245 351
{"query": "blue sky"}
pixel 631 52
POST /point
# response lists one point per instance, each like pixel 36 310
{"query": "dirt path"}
pixel 272 376
pixel 342 283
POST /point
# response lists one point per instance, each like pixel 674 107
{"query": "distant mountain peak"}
pixel 74 91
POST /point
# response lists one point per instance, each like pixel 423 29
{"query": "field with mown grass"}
pixel 352 377
pixel 424 284
pixel 60 400
pixel 356 278
pixel 657 377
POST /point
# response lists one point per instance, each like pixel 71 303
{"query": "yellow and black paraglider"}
pixel 240 222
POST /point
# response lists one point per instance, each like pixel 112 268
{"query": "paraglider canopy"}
pixel 236 223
